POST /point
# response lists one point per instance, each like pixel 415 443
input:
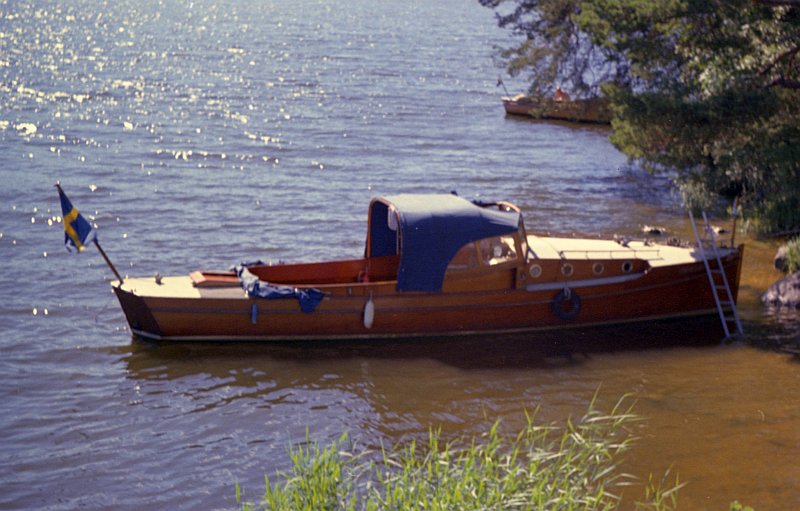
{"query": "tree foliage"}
pixel 710 89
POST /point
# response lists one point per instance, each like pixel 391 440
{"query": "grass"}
pixel 575 466
pixel 793 255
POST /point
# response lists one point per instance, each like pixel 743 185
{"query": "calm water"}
pixel 198 134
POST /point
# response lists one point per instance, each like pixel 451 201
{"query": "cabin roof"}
pixel 427 230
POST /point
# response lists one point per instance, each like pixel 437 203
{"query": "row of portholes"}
pixel 567 270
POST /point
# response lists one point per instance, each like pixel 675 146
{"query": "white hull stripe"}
pixel 583 283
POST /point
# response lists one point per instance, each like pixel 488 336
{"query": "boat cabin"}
pixel 434 236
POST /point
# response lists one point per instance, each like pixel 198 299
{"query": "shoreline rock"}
pixel 780 261
pixel 784 293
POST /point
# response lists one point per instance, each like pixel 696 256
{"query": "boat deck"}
pixel 181 286
pixel 542 247
pixel 580 248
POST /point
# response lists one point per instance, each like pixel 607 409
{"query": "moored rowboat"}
pixel 593 110
pixel 434 265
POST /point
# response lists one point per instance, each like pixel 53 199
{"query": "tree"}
pixel 709 89
pixel 553 50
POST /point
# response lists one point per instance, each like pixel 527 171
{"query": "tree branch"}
pixel 787 55
pixel 777 3
pixel 785 83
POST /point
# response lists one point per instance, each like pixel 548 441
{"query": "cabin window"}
pixel 497 250
pixel 486 252
pixel 391 219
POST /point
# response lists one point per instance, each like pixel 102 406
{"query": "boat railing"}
pixel 647 254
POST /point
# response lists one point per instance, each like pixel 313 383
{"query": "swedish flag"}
pixel 78 232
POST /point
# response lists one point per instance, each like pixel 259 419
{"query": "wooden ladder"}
pixel 716 278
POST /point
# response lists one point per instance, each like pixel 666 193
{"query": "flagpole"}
pixel 500 82
pixel 108 261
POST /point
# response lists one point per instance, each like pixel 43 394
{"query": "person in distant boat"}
pixel 560 96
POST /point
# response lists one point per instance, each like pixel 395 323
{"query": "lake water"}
pixel 199 134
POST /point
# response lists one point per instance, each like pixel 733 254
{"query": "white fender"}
pixel 369 312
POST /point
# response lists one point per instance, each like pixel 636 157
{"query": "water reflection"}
pixel 401 386
pixel 536 350
pixel 779 329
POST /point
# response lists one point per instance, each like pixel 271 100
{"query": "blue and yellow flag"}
pixel 78 232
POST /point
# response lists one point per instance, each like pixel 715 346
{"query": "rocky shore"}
pixel 785 292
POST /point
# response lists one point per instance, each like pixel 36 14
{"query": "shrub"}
pixel 793 255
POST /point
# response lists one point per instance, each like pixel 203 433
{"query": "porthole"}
pixel 627 266
pixel 566 270
pixel 535 271
pixel 598 268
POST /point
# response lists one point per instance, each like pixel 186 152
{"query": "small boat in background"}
pixel 435 265
pixel 560 107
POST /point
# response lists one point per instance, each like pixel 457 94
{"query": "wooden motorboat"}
pixel 593 110
pixel 434 265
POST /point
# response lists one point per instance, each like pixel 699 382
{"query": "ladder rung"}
pixel 716 283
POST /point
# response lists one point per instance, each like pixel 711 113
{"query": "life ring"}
pixel 567 304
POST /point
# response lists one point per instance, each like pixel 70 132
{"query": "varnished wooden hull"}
pixel 515 303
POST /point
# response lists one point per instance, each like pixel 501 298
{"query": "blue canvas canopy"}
pixel 427 231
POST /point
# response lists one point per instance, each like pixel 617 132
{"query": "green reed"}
pixel 575 466
pixel 793 255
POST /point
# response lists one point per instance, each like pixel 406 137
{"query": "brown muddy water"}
pixel 200 134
